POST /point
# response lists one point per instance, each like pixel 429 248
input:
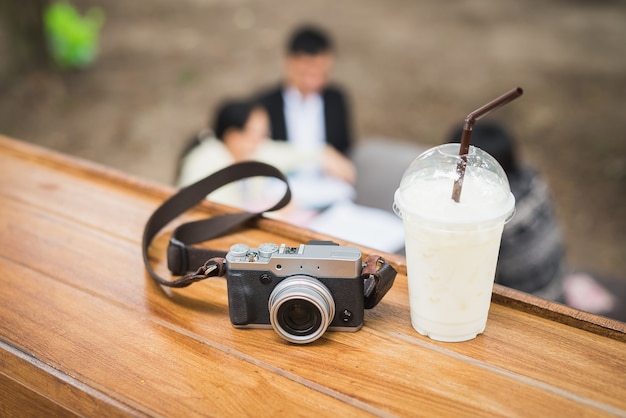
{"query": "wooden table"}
pixel 84 330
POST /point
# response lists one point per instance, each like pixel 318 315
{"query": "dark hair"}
pixel 495 140
pixel 231 114
pixel 309 40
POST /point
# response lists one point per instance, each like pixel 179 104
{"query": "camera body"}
pixel 299 291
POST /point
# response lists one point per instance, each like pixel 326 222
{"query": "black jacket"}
pixel 336 116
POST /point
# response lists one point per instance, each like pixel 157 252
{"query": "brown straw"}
pixel 466 136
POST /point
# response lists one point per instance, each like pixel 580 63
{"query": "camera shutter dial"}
pixel 266 250
pixel 239 250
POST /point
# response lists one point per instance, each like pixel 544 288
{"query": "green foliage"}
pixel 72 38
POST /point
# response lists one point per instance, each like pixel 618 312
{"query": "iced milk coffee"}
pixel 452 247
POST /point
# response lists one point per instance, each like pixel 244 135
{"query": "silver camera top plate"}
pixel 313 260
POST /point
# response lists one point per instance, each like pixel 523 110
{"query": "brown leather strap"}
pixel 378 276
pixel 181 256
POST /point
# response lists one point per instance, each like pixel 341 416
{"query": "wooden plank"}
pixel 56 172
pixel 544 352
pixel 391 343
pixel 24 403
pixel 559 313
pixel 140 362
pixel 37 389
pixel 126 356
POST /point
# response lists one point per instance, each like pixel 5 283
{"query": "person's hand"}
pixel 337 165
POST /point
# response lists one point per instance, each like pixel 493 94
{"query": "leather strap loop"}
pixel 378 277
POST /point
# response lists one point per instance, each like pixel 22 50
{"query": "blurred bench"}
pixel 380 164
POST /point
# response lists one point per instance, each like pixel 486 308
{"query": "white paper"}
pixel 370 227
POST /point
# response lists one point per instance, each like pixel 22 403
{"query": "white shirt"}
pixel 304 119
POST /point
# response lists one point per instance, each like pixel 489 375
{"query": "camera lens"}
pixel 301 309
pixel 301 317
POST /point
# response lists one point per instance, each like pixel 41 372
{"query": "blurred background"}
pixel 412 69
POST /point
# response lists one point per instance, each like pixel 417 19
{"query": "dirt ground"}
pixel 412 68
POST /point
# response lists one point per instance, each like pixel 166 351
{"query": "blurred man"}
pixel 303 109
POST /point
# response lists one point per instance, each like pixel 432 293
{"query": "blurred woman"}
pixel 240 133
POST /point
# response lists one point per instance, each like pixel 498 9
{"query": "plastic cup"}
pixel 452 247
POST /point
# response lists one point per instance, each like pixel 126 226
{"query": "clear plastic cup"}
pixel 452 248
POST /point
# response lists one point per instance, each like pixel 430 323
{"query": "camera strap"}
pixel 183 258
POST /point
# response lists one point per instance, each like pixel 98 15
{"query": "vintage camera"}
pixel 299 291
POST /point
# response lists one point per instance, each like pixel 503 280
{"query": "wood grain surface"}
pixel 85 331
